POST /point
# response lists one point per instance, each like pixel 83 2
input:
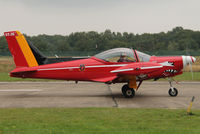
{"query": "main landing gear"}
pixel 127 91
pixel 173 92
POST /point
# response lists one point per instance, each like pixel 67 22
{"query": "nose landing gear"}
pixel 173 92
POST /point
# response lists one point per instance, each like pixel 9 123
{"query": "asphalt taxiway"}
pixel 86 94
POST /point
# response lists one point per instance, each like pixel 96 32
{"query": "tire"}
pixel 173 93
pixel 128 92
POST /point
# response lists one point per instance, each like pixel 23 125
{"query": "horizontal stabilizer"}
pixel 23 70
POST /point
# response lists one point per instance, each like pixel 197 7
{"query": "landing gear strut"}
pixel 127 91
pixel 173 92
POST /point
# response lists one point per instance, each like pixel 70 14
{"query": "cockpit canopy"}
pixel 116 55
pixel 142 56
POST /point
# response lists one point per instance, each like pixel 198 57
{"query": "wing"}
pixel 134 69
pixel 104 79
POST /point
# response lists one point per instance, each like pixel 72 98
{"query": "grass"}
pixel 97 121
pixel 6 64
pixel 187 76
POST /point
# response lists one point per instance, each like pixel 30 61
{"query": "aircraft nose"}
pixel 188 60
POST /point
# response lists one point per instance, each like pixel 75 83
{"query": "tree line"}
pixel 178 39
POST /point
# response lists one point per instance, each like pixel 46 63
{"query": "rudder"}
pixel 20 50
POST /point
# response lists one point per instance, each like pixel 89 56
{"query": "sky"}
pixel 63 17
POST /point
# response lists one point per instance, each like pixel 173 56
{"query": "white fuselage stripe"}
pixel 57 68
pixel 119 65
pixel 122 70
pixel 151 67
pixel 98 66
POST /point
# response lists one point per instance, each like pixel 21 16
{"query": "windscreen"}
pixel 117 55
pixel 143 57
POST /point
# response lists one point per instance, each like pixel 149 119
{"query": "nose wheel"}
pixel 173 92
pixel 128 92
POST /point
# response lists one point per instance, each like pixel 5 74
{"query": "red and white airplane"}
pixel 119 65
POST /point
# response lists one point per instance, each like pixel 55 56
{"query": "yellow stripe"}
pixel 26 50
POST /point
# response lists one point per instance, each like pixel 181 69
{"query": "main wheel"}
pixel 173 93
pixel 128 92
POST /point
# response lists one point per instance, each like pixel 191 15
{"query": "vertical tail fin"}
pixel 20 50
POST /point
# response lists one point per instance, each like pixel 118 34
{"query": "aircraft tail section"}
pixel 24 55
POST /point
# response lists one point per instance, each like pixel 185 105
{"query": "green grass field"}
pixel 98 121
pixel 187 76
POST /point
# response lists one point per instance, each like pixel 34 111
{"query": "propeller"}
pixel 190 66
pixel 189 61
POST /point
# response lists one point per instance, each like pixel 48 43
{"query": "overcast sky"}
pixel 35 17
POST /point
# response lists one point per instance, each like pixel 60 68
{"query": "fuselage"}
pixel 93 68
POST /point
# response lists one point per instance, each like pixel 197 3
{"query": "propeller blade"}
pixel 190 65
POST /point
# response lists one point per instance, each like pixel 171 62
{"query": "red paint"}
pixel 15 50
pixel 98 70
